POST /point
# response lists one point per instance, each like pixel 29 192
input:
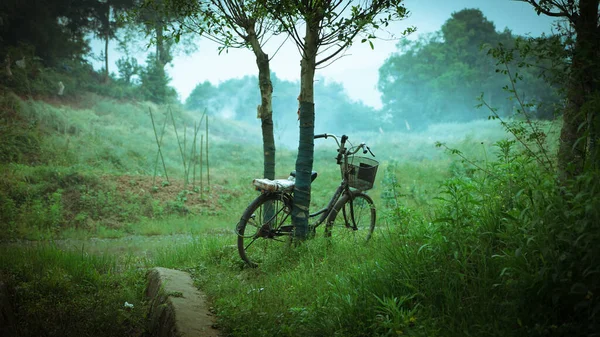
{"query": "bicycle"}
pixel 266 222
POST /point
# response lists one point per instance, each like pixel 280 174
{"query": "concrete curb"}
pixel 177 308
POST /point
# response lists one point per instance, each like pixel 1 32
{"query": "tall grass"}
pixel 70 293
pixel 314 289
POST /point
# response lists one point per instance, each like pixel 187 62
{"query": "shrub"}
pixel 510 253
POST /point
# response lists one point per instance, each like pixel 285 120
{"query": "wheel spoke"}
pixel 270 216
pixel 251 242
pixel 355 219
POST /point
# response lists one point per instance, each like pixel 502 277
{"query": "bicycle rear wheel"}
pixel 353 219
pixel 265 228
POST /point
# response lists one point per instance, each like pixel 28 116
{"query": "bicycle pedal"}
pixel 286 229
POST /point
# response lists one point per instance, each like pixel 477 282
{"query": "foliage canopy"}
pixel 438 77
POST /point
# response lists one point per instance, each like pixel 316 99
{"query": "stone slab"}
pixel 177 307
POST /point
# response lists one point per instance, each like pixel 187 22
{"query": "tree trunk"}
pixel 106 73
pixel 579 131
pixel 159 44
pixel 106 40
pixel 266 107
pixel 304 161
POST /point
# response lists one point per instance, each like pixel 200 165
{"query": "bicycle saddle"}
pixel 313 175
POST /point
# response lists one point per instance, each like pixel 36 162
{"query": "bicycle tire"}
pixel 340 225
pixel 264 228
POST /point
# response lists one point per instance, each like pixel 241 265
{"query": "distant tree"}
pixel 342 114
pixel 466 31
pixel 439 77
pixel 330 28
pixel 128 67
pixel 406 83
pixel 106 23
pixel 232 98
pixel 151 21
pixel 284 93
pixel 201 97
pixel 445 71
pixel 238 95
pixel 155 82
pixel 157 21
pixel 55 29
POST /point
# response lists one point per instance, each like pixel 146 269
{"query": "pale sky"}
pixel 358 70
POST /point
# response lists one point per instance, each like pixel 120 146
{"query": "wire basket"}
pixel 362 172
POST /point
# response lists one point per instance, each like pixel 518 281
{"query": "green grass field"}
pixel 469 241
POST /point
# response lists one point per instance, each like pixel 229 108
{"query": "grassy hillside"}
pixel 93 164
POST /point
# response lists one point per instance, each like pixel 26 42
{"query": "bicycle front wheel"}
pixel 353 218
pixel 265 228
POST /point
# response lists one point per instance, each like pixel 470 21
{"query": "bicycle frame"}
pixel 325 212
pixel 342 189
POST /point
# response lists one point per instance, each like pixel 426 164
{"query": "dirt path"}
pixel 137 245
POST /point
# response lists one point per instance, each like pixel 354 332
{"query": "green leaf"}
pixel 579 288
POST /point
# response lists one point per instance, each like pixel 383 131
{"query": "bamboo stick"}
pixel 178 142
pixel 193 155
pixel 162 159
pixel 186 169
pixel 207 164
pixel 158 144
pixel 201 181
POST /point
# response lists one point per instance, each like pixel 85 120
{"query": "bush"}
pixel 511 253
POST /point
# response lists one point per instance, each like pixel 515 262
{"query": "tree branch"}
pixel 562 14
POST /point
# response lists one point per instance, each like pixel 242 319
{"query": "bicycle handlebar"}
pixel 364 147
pixel 342 150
